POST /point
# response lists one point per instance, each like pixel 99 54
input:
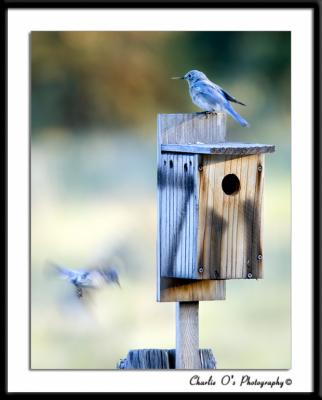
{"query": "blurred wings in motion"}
pixel 87 279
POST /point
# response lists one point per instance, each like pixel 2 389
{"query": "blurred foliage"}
pixel 82 80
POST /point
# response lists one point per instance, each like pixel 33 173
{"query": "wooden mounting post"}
pixel 209 227
pixel 187 335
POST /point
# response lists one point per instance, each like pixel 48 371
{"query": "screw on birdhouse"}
pixel 200 167
pixel 200 269
pixel 249 275
pixel 260 168
pixel 259 257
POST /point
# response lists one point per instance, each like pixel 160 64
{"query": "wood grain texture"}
pixel 187 335
pixel 187 290
pixel 161 359
pixel 183 128
pixel 228 148
pixel 178 205
pixel 229 229
pixel 205 233
pixel 191 128
pixel 146 359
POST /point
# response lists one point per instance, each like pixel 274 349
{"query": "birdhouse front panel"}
pixel 230 216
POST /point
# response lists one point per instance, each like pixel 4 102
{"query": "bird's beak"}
pixel 177 77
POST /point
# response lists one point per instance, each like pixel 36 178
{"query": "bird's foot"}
pixel 207 113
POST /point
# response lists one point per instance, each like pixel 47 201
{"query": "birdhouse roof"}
pixel 227 148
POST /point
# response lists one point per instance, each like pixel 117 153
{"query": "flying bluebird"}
pixel 85 279
pixel 210 97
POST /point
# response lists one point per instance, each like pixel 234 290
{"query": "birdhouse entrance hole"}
pixel 230 184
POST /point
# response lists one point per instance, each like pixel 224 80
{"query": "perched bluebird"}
pixel 210 97
pixel 84 279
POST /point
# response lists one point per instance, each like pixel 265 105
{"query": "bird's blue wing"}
pixel 63 272
pixel 110 275
pixel 210 92
pixel 215 94
pixel 228 96
pixel 208 89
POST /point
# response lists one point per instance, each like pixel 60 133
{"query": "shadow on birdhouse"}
pixel 209 204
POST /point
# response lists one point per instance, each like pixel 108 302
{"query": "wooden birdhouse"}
pixel 209 205
pixel 210 226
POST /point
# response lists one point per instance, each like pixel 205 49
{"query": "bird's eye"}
pixel 189 76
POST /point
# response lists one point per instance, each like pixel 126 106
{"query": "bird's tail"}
pixel 236 116
pixel 239 102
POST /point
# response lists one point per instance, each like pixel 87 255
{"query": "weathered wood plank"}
pixel 187 335
pixel 229 205
pixel 184 128
pixel 161 359
pixel 176 227
pixel 230 249
pixel 242 265
pixel 191 128
pixel 227 148
pixel 257 250
pixel 207 359
pixel 172 289
pixel 236 169
pixel 252 241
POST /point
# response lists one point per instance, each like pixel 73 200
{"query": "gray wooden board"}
pixel 184 128
pixel 229 148
pixel 178 229
pixel 191 128
pixel 161 359
pixel 187 335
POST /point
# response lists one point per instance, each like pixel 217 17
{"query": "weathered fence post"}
pixel 209 226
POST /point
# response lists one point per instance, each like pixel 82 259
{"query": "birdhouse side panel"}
pixel 230 216
pixel 177 186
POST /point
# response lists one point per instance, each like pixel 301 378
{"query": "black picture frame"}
pixel 315 6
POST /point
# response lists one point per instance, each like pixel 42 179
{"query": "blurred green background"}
pixel 95 97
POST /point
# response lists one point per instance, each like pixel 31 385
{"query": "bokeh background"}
pixel 95 98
